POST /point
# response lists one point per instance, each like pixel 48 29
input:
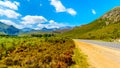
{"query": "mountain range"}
pixel 11 30
pixel 105 27
pixel 8 29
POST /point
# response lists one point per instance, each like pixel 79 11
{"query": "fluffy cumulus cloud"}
pixel 93 11
pixel 8 4
pixel 61 8
pixel 71 11
pixel 39 22
pixel 51 24
pixel 58 5
pixel 30 20
pixel 7 9
pixel 9 22
pixel 9 13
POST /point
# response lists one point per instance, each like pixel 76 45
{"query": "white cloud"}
pixel 9 13
pixel 61 8
pixel 71 11
pixel 8 22
pixel 93 11
pixel 30 20
pixel 40 26
pixel 51 24
pixel 7 8
pixel 58 5
pixel 48 26
pixel 39 22
pixel 11 5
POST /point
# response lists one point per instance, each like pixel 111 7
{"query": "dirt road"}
pixel 100 56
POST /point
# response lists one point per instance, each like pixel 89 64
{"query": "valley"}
pixel 59 34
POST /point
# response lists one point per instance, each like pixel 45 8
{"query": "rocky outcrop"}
pixel 112 16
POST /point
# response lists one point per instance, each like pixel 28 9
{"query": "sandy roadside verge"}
pixel 99 56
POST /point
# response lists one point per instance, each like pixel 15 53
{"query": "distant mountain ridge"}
pixel 105 27
pixel 54 30
pixel 11 30
pixel 8 29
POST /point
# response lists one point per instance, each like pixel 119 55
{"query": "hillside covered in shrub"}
pixel 106 27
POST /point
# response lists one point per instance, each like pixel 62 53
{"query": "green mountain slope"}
pixel 8 29
pixel 106 27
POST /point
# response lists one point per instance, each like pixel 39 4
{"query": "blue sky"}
pixel 37 14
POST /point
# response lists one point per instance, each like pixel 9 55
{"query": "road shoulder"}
pixel 99 56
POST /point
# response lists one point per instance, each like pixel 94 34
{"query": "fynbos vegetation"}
pixel 34 52
pixel 105 28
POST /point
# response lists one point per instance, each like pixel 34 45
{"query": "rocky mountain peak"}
pixel 112 16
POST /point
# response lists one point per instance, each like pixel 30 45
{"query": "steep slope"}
pixel 112 16
pixel 106 27
pixel 8 29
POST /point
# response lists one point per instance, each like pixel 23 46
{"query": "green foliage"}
pixel 107 33
pixel 36 52
pixel 77 31
pixel 80 59
pixel 106 28
pixel 42 35
pixel 96 30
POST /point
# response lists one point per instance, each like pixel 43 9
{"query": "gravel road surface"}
pixel 102 43
pixel 100 54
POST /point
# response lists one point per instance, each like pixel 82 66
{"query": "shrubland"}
pixel 35 51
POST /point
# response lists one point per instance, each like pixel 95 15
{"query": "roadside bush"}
pixel 36 52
